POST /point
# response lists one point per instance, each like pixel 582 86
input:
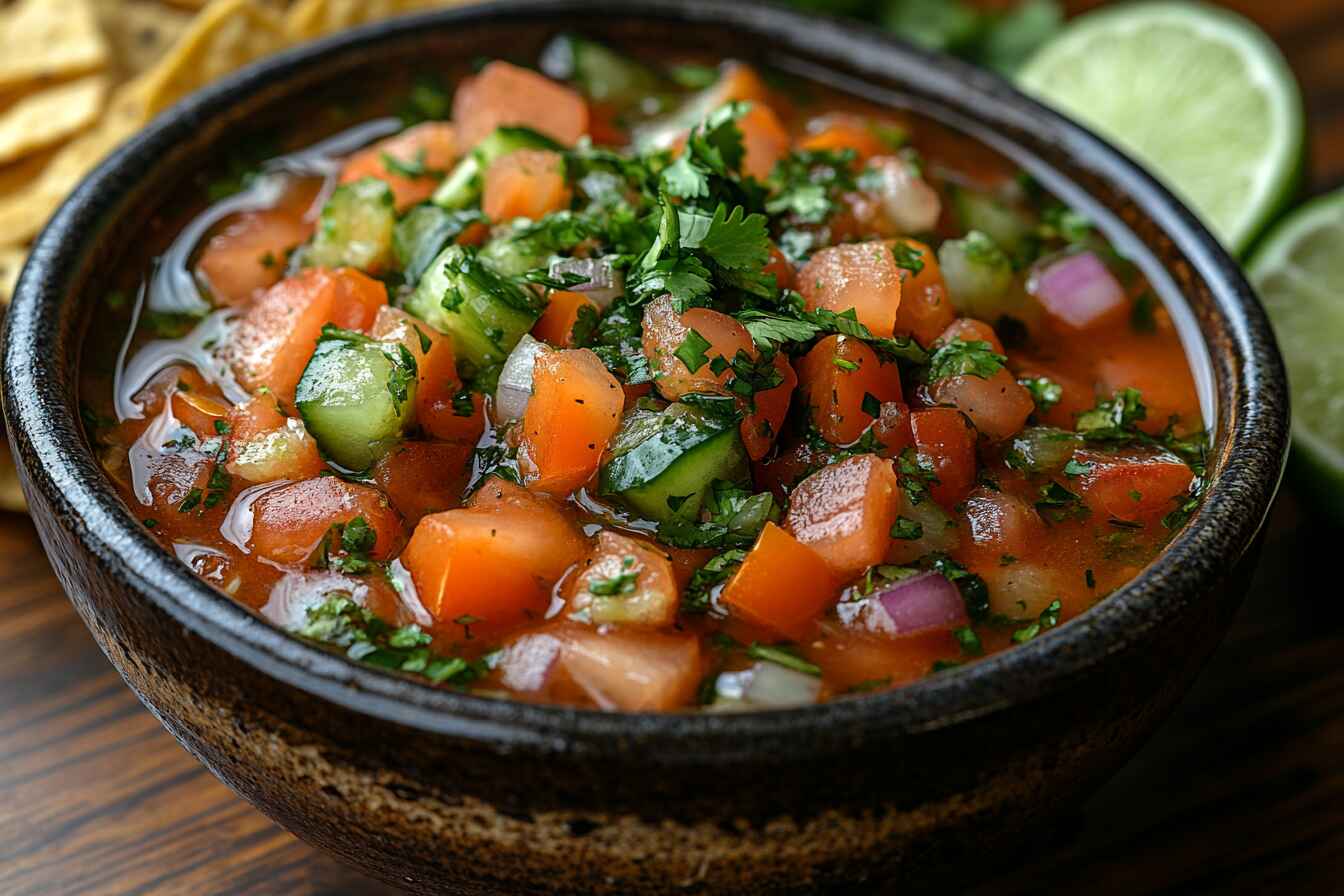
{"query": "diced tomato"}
pixel 551 541
pixel 738 82
pixel 421 478
pixel 845 512
pixel 782 585
pixel 781 267
pixel 249 254
pixel 850 659
pixel 858 276
pixel 925 310
pixel 1075 396
pixel 1134 486
pixel 968 329
pixel 265 445
pixel 1000 523
pixel 627 669
pixel 574 411
pixel 626 582
pixel 837 376
pixel 201 413
pixel 290 521
pixel 840 132
pixel 945 439
pixel 278 333
pixel 762 426
pixel 441 417
pixel 556 324
pixel 764 141
pixel 437 383
pixel 430 148
pixel 893 428
pixel 1158 369
pixel 507 95
pixel 529 183
pixel 666 332
pixel 997 405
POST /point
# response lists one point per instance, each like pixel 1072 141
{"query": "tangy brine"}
pixel 649 387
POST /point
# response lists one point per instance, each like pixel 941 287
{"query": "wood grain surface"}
pixel 1242 791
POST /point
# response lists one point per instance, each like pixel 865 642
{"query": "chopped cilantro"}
pixel 692 351
pixel 1045 392
pixel 958 357
pixel 1048 619
pixel 907 529
pixel 618 585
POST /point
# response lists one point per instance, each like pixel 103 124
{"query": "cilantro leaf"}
pixel 958 357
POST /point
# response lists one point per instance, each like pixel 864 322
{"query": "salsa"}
pixel 649 387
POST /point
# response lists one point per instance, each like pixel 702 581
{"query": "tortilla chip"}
pixel 141 32
pixel 50 116
pixel 49 39
pixel 227 35
pixel 309 19
pixel 11 262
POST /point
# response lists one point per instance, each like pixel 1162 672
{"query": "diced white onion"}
pixel 765 685
pixel 515 379
pixel 603 284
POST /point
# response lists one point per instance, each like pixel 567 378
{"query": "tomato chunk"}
pixel 507 95
pixel 764 141
pixel 996 405
pixel 556 324
pixel 529 183
pixel 278 333
pixel 665 334
pixel 627 669
pixel 925 309
pixel 845 512
pixel 411 163
pixel 840 132
pixel 945 440
pixel 626 582
pixel 762 426
pixel 265 445
pixel 551 542
pixel 782 585
pixel 838 375
pixel 1134 486
pixel 574 411
pixel 290 521
pixel 249 254
pixel 437 382
pixel 421 478
pixel 852 659
pixel 862 277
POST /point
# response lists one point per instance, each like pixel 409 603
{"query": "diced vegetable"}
pixel 551 541
pixel 462 187
pixel 945 445
pixel 1078 292
pixel 357 397
pixel 968 329
pixel 663 462
pixel 862 662
pixel 421 478
pixel 602 282
pixel 840 132
pixel 355 228
pixel 1007 225
pixel 574 411
pixel 459 419
pixel 978 275
pixel 426 231
pixel 693 351
pixel 290 521
pixel 437 385
pixel 1137 486
pixel 782 585
pixel 277 335
pixel 1001 523
pixel 556 324
pixel 763 425
pixel 845 512
pixel 265 445
pixel 843 382
pixel 625 582
pixel 765 685
pixel 631 670
pixel 514 389
pixel 603 74
pixel 737 82
pixel 862 277
pixel 764 141
pixel 920 603
pixel 507 95
pixel 909 204
pixel 923 528
pixel 996 404
pixel 1022 590
pixel 411 163
pixel 526 183
pixel 484 313
pixel 250 254
pixel 1041 449
pixel 925 309
pixel 528 664
pixel 199 412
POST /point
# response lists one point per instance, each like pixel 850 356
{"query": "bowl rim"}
pixel 61 472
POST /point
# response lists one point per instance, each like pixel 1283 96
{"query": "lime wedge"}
pixel 1197 94
pixel 1299 272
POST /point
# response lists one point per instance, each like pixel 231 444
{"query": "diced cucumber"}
pixel 425 232
pixel 600 72
pixel 978 275
pixel 355 228
pixel 665 461
pixel 357 396
pixel 462 186
pixel 485 313
pixel 1009 227
pixel 1041 449
pixel 528 245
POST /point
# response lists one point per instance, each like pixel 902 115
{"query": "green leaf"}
pixel 733 240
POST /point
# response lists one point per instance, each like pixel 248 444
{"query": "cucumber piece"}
pixel 1041 449
pixel 978 275
pixel 528 245
pixel 355 228
pixel 1009 227
pixel 665 461
pixel 357 396
pixel 484 312
pixel 425 232
pixel 462 186
pixel 600 72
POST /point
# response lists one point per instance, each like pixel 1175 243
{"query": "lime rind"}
pixel 1199 94
pixel 1298 271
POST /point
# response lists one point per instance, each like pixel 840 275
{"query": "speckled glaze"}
pixel 445 793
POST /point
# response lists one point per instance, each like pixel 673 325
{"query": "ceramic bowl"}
pixel 438 791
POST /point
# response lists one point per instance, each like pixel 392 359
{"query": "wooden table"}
pixel 1241 791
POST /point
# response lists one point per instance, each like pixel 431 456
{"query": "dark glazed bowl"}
pixel 442 792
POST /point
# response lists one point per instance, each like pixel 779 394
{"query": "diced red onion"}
pixel 921 603
pixel 515 379
pixel 527 664
pixel 910 204
pixel 1077 289
pixel 604 283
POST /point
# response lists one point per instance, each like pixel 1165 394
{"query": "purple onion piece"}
pixel 1078 289
pixel 921 603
